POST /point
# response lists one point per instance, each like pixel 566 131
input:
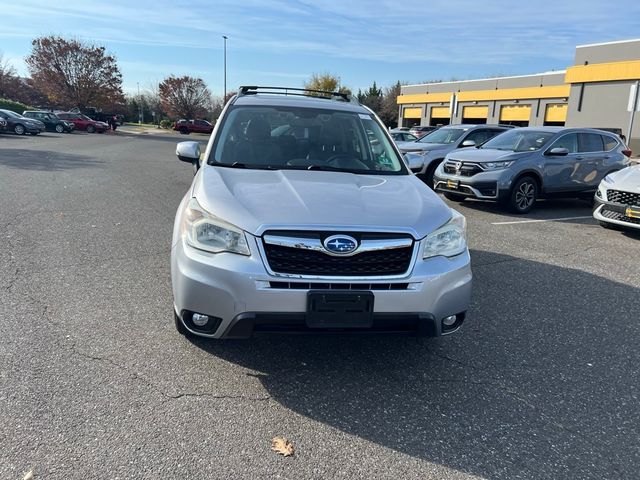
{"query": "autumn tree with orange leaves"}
pixel 72 73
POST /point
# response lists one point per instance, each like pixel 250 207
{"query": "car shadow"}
pixel 541 381
pixel 24 159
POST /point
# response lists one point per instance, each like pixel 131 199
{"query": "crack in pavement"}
pixel 154 387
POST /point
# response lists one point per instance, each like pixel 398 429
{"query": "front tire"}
pixel 523 195
pixel 184 131
pixel 182 330
pixel 59 128
pixel 19 129
pixel 91 129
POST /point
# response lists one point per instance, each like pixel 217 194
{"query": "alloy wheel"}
pixel 525 195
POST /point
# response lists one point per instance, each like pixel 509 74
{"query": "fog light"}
pixel 449 321
pixel 199 320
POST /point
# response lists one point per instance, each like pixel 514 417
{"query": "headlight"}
pixel 206 232
pixel 602 191
pixel 496 165
pixel 449 240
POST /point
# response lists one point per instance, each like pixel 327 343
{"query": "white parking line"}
pixel 540 221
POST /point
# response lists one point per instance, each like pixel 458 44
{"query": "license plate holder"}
pixel 453 184
pixel 331 309
pixel 632 212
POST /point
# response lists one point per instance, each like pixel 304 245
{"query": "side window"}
pixel 570 142
pixel 590 142
pixel 609 142
pixel 481 136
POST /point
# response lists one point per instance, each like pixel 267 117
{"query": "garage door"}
pixel 412 113
pixel 475 112
pixel 556 113
pixel 515 113
pixel 440 112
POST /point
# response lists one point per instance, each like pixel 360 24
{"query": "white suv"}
pixel 304 218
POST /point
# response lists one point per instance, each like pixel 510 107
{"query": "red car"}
pixel 82 122
pixel 192 126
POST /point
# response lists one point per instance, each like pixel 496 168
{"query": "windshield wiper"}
pixel 244 165
pixel 325 168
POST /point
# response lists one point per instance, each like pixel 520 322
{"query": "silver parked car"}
pixel 429 151
pixel 519 166
pixel 617 200
pixel 303 217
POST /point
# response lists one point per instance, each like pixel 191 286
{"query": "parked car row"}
pixel 35 122
pixel 517 166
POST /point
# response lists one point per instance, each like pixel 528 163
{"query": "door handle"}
pixel 607 157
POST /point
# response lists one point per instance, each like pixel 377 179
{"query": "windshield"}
pixel 443 135
pixel 519 140
pixel 287 137
pixel 11 114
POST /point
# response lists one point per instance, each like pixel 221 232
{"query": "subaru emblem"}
pixel 340 244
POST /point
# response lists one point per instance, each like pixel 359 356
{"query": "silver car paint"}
pixel 226 284
pixel 427 153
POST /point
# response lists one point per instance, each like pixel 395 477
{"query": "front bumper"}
pixel 238 290
pixel 614 213
pixel 491 185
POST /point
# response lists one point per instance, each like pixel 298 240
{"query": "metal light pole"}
pixel 139 106
pixel 224 93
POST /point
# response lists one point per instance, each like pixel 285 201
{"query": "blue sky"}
pixel 280 42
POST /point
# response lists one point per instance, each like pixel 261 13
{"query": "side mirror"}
pixel 468 143
pixel 188 152
pixel 558 151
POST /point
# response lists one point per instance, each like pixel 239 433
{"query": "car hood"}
pixel 627 179
pixel 421 146
pixel 256 200
pixel 480 155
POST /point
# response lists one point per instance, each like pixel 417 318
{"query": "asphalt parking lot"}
pixel 542 381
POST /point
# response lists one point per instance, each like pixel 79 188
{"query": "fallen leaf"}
pixel 28 475
pixel 282 446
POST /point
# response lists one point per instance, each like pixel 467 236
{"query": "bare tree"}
pixel 8 78
pixel 73 73
pixel 185 97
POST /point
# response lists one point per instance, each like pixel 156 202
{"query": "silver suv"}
pixel 303 217
pixel 425 154
pixel 519 166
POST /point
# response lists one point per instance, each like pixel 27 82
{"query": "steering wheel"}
pixel 334 160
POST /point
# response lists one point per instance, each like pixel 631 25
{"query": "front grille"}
pixel 338 286
pixel 625 198
pixel 466 169
pixel 297 261
pixel 621 217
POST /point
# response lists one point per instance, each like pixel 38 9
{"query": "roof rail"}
pixel 300 92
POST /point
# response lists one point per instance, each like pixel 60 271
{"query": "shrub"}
pixel 13 106
pixel 166 123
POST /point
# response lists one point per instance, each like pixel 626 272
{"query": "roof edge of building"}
pixel 551 72
pixel 613 42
